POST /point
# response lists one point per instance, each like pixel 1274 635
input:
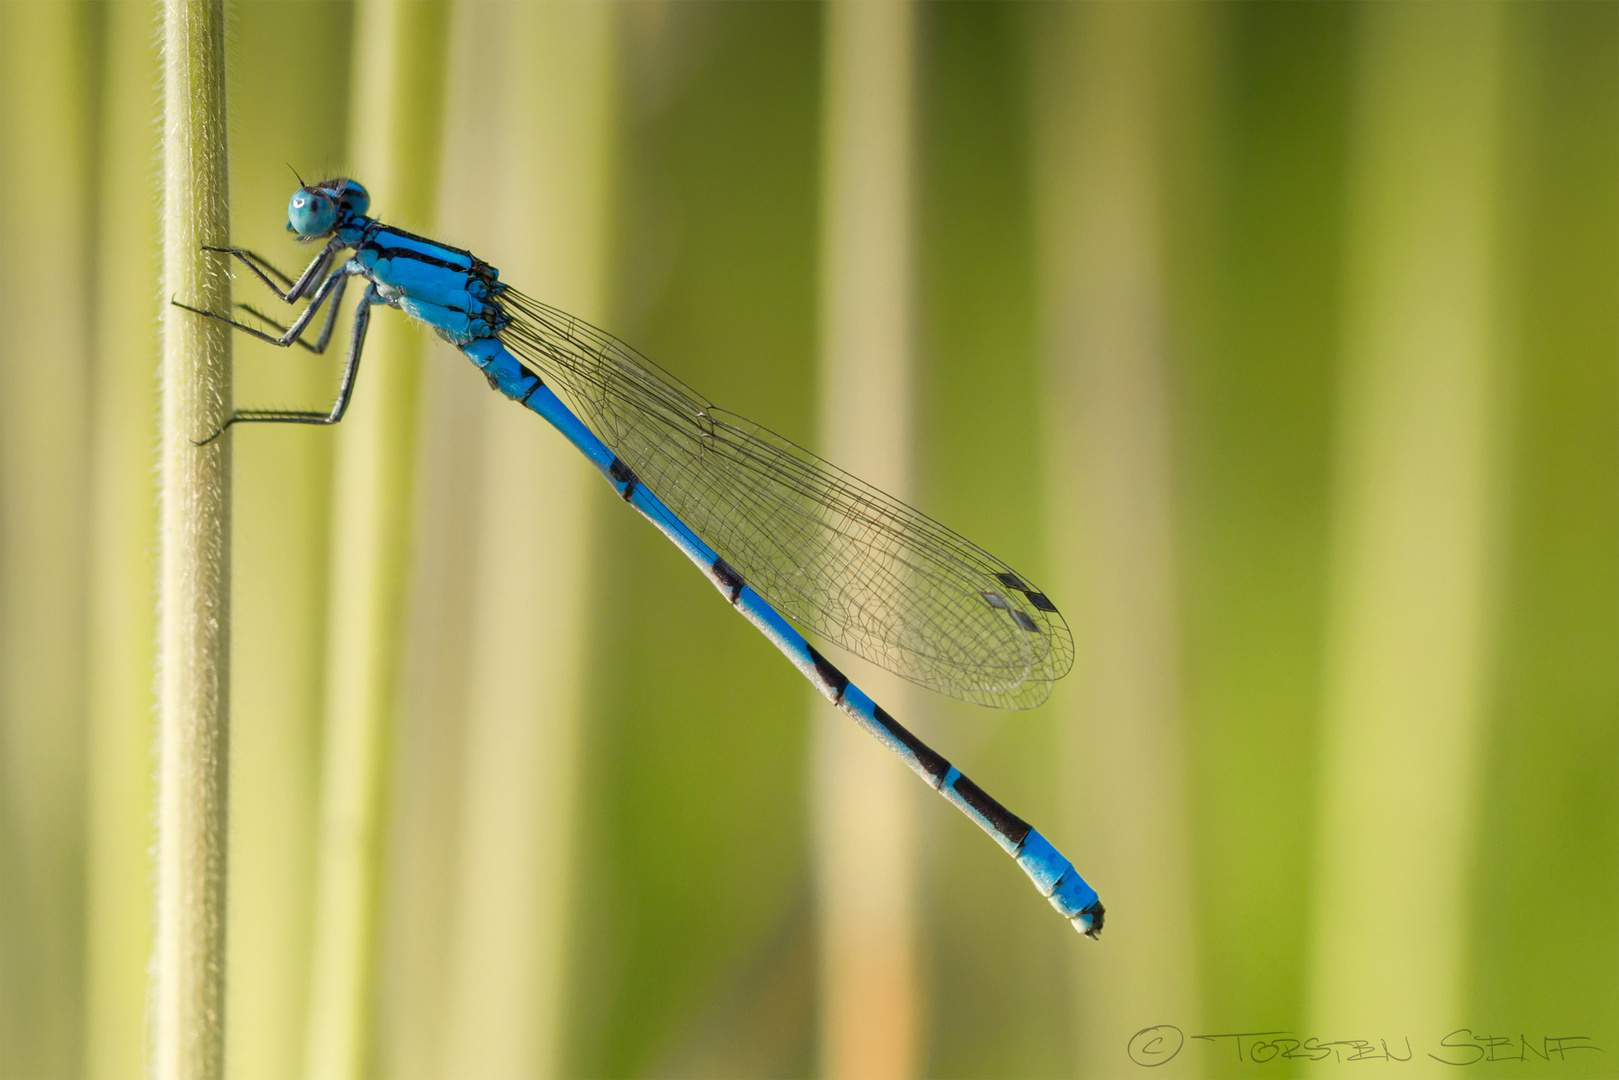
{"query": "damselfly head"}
pixel 351 197
pixel 311 213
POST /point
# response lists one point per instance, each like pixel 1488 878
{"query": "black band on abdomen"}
pixel 933 763
pixel 835 680
pixel 624 475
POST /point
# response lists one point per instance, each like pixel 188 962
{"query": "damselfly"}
pixel 787 538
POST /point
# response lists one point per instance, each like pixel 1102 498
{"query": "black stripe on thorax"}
pixel 1006 823
pixel 395 254
pixel 933 763
pixel 835 680
pixel 429 241
pixel 624 475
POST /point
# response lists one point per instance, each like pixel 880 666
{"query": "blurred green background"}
pixel 1280 342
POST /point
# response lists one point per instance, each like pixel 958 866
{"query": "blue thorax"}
pixel 449 289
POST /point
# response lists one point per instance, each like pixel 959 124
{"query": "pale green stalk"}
pixel 398 71
pixel 1102 299
pixel 1413 579
pixel 281 523
pixel 47 81
pixel 188 965
pixel 550 135
pixel 865 836
pixel 123 567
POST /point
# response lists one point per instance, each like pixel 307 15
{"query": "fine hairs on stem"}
pixel 188 968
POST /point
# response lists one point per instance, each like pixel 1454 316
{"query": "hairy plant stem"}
pixel 194 639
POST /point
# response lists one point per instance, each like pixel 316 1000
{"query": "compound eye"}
pixel 311 213
pixel 356 197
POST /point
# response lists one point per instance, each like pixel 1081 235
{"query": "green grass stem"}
pixel 194 641
pixel 864 810
pixel 1413 577
pixel 396 108
pixel 281 527
pixel 1102 298
pixel 548 138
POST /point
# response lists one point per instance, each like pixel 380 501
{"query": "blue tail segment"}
pixel 1051 873
pixel 1060 883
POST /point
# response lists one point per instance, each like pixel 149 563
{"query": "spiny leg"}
pixel 345 389
pixel 256 262
pixel 325 331
pixel 293 332
pixel 311 277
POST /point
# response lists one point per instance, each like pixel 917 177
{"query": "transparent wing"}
pixel 837 557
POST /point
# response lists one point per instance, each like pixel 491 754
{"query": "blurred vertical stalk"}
pixel 865 840
pixel 1254 135
pixel 123 572
pixel 48 77
pixel 1098 179
pixel 282 475
pixel 1413 572
pixel 281 524
pixel 713 204
pixel 1549 835
pixel 396 118
pixel 282 535
pixel 194 637
pixel 997 967
pixel 544 194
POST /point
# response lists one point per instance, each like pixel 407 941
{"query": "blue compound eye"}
pixel 355 198
pixel 311 213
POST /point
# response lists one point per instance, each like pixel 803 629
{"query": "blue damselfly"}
pixel 789 539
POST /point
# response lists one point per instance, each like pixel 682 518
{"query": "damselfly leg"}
pixel 336 283
pixel 326 328
pixel 313 277
pixel 345 389
pixel 261 267
pixel 333 289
